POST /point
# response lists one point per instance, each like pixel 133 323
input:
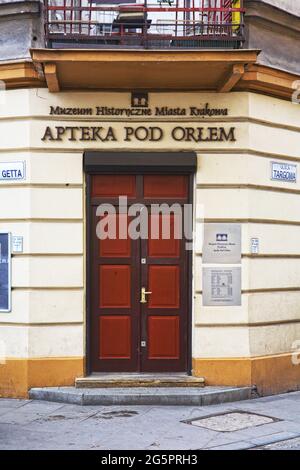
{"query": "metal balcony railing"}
pixel 173 24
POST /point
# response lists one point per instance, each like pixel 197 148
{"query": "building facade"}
pixel 186 104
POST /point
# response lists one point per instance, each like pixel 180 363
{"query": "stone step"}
pixel 169 396
pixel 138 380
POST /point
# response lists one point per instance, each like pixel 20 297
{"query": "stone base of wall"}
pixel 270 374
pixel 17 376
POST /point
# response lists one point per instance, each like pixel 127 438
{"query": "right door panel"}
pixel 164 315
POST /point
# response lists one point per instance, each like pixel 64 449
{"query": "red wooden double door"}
pixel 139 286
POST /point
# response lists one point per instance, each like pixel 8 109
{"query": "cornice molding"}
pixel 254 77
pixel 21 74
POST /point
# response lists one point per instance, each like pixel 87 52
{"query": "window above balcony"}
pixel 153 24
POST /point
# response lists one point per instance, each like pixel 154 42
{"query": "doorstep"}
pixel 120 380
pixel 169 396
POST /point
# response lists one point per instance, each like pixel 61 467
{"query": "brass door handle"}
pixel 143 295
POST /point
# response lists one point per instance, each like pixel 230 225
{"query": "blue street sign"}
pixel 284 172
pixel 5 269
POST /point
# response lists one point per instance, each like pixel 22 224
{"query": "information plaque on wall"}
pixel 222 243
pixel 5 269
pixel 222 286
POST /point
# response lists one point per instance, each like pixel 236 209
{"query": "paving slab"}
pixel 278 437
pixel 233 421
pixel 291 444
pixel 235 446
pixel 13 402
pixel 268 429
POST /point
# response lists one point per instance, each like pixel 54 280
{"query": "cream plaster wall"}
pixel 233 184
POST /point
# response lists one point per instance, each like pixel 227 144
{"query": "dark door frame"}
pixel 97 162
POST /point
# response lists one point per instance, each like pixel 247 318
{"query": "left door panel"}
pixel 115 307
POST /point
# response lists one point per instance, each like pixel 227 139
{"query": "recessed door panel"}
pixel 165 233
pixel 164 287
pixel 115 286
pixel 115 337
pixel 117 243
pixel 163 337
pixel 113 186
pixel 165 186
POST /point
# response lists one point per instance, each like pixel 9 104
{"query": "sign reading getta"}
pixel 222 243
pixel 5 270
pixel 12 171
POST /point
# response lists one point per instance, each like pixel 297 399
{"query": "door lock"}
pixel 143 295
pixel 143 344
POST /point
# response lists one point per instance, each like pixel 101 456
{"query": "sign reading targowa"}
pixel 284 172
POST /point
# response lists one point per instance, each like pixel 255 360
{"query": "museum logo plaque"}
pixel 222 243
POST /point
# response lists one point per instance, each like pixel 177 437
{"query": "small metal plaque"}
pixel 222 243
pixel 5 268
pixel 17 244
pixel 254 246
pixel 221 286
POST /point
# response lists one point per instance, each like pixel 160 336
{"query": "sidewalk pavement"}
pixel 29 424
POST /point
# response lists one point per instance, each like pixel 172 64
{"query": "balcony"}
pixel 167 24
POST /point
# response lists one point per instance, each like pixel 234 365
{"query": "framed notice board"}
pixel 5 272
